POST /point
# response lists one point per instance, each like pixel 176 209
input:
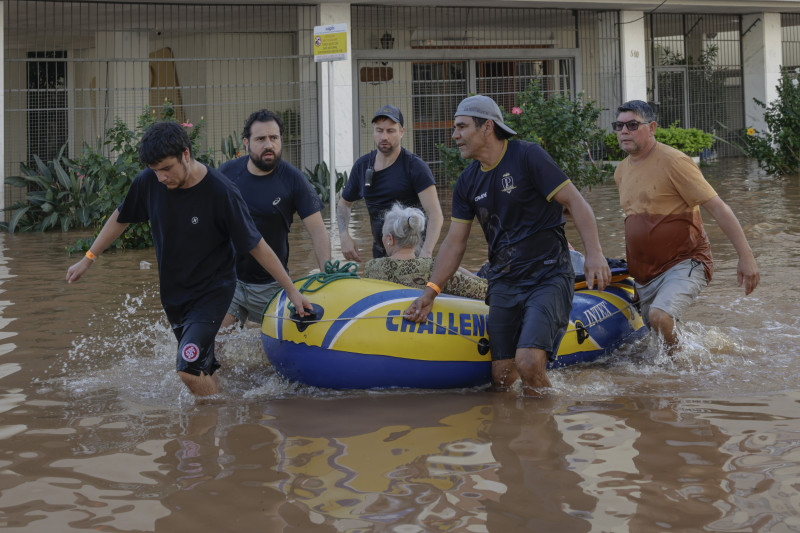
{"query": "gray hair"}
pixel 405 225
pixel 640 108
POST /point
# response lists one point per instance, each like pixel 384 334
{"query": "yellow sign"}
pixel 330 42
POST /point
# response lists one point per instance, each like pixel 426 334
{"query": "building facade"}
pixel 72 68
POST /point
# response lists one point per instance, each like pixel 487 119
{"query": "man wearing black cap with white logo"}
pixel 518 195
pixel 384 176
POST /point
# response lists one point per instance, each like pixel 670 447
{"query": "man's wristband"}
pixel 435 287
pixel 90 256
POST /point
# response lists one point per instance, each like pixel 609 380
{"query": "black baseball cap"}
pixel 391 112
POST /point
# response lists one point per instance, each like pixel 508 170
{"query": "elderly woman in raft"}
pixel 403 229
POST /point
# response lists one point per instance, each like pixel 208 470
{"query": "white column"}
pixel 343 92
pixel 761 62
pixel 633 50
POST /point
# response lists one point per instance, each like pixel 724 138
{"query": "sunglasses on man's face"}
pixel 632 125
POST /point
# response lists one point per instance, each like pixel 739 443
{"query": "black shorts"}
pixel 528 317
pixel 196 347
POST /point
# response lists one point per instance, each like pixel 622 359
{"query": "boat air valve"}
pixel 483 346
pixel 581 331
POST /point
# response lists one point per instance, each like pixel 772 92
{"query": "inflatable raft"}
pixel 357 337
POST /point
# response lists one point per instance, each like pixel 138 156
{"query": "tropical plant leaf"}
pixel 49 222
pixel 63 177
pixel 15 218
pixel 17 181
pixel 44 170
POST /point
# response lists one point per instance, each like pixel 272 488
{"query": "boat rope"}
pixel 629 307
pixel 332 272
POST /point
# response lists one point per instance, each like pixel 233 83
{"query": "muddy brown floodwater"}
pixel 97 433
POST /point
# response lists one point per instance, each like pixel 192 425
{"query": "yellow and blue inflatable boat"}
pixel 357 337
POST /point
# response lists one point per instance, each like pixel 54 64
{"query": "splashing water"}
pixel 133 352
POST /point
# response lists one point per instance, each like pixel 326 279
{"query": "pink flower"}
pixel 516 110
pixel 187 125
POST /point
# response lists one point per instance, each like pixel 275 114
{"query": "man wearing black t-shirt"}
pixel 518 195
pixel 195 215
pixel 274 191
pixel 384 176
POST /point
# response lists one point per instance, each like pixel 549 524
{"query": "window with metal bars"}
pixel 71 68
pixel 790 41
pixel 46 118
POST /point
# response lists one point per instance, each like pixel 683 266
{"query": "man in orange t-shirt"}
pixel 661 191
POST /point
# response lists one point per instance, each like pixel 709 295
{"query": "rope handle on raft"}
pixel 581 328
pixel 304 322
pixel 332 272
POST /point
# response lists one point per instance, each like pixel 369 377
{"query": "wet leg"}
pixel 202 385
pixel 504 374
pixel 664 324
pixel 531 364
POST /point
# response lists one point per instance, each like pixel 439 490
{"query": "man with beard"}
pixel 195 215
pixel 383 177
pixel 274 191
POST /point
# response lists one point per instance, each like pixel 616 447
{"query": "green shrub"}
pixel 320 180
pixel 565 128
pixel 690 141
pixel 777 150
pixel 58 195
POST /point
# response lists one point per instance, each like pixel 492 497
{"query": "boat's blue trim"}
pixel 321 367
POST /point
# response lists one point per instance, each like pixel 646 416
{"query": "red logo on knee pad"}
pixel 190 352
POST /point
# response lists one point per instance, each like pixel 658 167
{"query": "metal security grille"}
pixel 790 27
pixel 426 60
pixel 47 104
pixel 71 68
pixel 695 73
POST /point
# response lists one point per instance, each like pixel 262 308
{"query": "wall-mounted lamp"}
pixel 387 41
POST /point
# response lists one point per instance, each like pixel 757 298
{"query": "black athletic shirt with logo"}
pixel 272 200
pixel 402 181
pixel 192 233
pixel 513 202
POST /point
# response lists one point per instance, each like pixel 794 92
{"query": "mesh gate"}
pixel 72 67
pixel 425 60
pixel 695 74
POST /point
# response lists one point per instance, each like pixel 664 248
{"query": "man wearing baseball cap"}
pixel 386 175
pixel 518 194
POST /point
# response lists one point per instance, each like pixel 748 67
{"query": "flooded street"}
pixel 97 433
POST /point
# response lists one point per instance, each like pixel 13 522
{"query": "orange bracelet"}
pixel 435 287
pixel 91 256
